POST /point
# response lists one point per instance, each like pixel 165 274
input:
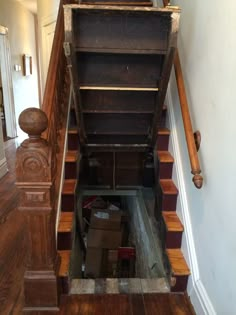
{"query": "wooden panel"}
pixel 129 168
pixel 117 124
pixel 119 70
pixel 118 100
pixel 121 29
pixel 117 139
pixel 100 169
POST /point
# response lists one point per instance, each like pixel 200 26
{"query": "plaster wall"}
pixel 207 45
pixel 21 26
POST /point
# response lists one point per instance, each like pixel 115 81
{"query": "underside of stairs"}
pixel 121 60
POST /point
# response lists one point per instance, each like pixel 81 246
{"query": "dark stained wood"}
pixel 137 304
pixel 38 169
pixel 119 69
pixel 127 101
pixel 13 245
pixel 68 195
pixel 132 124
pixel 73 139
pixel 165 164
pixel 124 30
pixel 13 240
pixel 169 193
pixel 167 66
pixel 163 136
pixel 147 304
pixel 118 2
pixel 35 181
pixel 157 304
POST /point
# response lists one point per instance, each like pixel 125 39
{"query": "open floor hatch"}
pixel 120 242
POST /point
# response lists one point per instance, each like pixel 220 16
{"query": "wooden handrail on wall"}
pixel 38 171
pixel 192 139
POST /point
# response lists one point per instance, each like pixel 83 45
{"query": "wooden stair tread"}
pixel 69 186
pixel 165 157
pixel 73 131
pixel 168 187
pixel 178 263
pixel 118 88
pixel 172 221
pixel 71 156
pixel 66 221
pixel 65 262
pixel 163 131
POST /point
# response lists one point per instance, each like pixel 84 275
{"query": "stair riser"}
pixel 163 142
pixel 73 142
pixel 169 202
pixel 64 241
pixel 70 170
pixel 181 284
pixel 173 240
pixel 64 284
pixel 166 170
pixel 67 203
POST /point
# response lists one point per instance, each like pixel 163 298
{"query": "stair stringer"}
pixel 196 290
pixel 63 165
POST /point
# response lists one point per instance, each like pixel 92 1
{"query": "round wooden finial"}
pixel 33 121
pixel 198 181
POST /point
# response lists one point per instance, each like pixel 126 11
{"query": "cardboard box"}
pixel 104 238
pixel 105 219
pixel 111 264
pixel 93 262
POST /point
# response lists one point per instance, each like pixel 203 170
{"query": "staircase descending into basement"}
pixel 120 59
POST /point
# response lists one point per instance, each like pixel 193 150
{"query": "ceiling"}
pixel 31 5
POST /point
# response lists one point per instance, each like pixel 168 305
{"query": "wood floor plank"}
pixel 157 304
pixel 137 304
pixel 180 305
pixel 118 304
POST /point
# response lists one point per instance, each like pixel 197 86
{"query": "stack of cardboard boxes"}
pixel 104 238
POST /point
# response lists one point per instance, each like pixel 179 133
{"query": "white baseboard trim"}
pixel 3 167
pixel 200 300
pixel 197 292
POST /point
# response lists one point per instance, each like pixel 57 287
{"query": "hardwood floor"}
pixel 8 191
pixel 13 239
pixel 137 304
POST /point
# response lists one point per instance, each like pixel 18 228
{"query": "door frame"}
pixel 7 83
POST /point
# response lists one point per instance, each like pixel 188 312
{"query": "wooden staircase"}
pixel 68 207
pixel 170 224
pixel 122 112
pixel 119 63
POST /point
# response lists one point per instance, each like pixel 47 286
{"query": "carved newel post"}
pixel 34 179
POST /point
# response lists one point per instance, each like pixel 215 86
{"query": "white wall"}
pixel 47 15
pixel 207 45
pixel 21 25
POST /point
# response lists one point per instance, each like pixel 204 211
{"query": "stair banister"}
pixel 192 138
pixel 38 172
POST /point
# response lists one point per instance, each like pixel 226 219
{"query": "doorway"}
pixel 7 100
